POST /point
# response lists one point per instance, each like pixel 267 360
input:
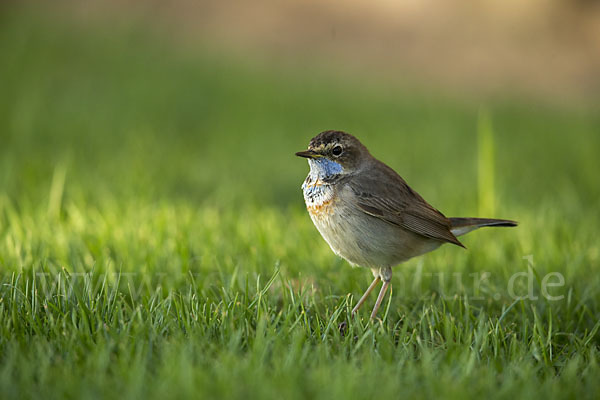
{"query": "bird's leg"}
pixel 385 274
pixel 380 298
pixel 364 296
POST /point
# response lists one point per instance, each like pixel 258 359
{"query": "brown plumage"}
pixel 373 218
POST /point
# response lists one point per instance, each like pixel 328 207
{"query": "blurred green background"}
pixel 126 111
pixel 131 142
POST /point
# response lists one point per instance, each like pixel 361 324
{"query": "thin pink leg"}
pixel 380 298
pixel 364 296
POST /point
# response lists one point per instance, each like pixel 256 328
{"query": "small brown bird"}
pixel 368 214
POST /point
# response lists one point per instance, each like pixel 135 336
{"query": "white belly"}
pixel 359 238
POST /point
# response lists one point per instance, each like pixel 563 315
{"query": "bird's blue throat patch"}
pixel 315 188
pixel 324 168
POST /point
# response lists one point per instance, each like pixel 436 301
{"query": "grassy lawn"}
pixel 154 241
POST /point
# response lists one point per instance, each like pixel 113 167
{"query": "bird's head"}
pixel 334 153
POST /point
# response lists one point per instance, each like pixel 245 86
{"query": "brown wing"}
pixel 385 195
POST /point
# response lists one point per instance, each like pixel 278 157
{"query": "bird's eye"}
pixel 337 151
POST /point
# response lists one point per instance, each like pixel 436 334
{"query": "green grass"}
pixel 154 242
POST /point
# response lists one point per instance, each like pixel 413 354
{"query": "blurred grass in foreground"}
pixel 148 194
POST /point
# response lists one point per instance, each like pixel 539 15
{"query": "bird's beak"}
pixel 308 154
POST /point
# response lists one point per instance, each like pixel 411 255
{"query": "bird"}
pixel 369 215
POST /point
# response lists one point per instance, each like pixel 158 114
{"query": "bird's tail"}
pixel 460 226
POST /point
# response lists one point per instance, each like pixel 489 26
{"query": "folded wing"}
pixel 399 205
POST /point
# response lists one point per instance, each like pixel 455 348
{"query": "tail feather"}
pixel 460 226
